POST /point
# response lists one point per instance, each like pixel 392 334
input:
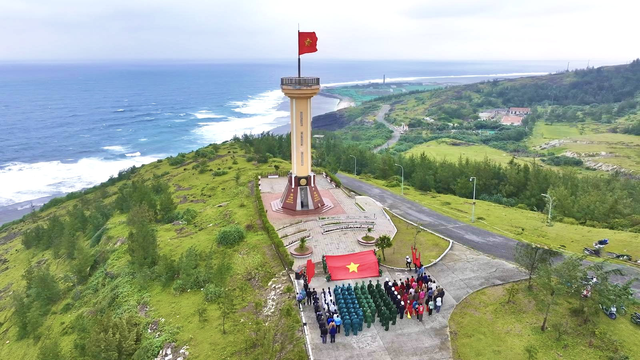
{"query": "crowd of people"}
pixel 351 307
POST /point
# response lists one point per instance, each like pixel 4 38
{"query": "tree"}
pixel 227 305
pixel 556 280
pixel 532 257
pixel 142 240
pixel 605 293
pixel 81 266
pixel 50 350
pixel 166 207
pixel 384 242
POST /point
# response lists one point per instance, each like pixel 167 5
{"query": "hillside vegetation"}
pixel 172 252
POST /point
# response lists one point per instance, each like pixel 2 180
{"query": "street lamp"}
pixel 402 186
pixel 355 165
pixel 473 204
pixel 548 197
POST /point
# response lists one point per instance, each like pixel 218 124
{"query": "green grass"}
pixel 591 138
pixel 523 225
pixel 181 323
pixel 453 149
pixel 430 246
pixel 484 326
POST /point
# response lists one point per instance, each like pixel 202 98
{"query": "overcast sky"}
pixel 72 30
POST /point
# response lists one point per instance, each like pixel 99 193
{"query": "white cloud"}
pixel 376 29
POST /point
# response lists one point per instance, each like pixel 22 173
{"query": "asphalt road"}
pixel 482 240
pixel 396 133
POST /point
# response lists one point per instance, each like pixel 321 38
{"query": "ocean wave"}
pixel 215 132
pixel 260 104
pixel 417 78
pixel 25 181
pixel 205 114
pixel 115 148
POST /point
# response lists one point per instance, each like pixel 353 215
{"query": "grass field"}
pixel 484 326
pixel 520 224
pixel 624 149
pixel 451 150
pixel 219 201
pixel 430 246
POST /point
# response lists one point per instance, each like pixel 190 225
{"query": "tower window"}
pixel 301 118
pixel 301 157
pixel 301 138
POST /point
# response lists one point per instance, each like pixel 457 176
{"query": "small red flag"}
pixel 311 270
pixel 307 42
pixel 352 266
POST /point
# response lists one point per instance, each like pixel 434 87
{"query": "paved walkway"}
pixel 396 132
pixel 292 228
pixel 461 272
pixel 479 239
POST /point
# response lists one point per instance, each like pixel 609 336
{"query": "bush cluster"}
pixel 283 254
pixel 230 235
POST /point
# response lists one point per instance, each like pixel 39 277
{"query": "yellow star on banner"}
pixel 308 42
pixel 353 267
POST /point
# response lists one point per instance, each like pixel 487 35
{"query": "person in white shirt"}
pixel 407 260
pixel 438 304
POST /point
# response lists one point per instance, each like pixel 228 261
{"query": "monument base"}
pixel 301 194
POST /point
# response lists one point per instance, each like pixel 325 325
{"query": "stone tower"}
pixel 301 192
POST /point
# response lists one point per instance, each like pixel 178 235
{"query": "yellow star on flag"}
pixel 308 42
pixel 353 267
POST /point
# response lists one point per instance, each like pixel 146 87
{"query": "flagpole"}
pixel 298 50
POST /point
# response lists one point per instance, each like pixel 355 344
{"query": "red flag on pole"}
pixel 311 270
pixel 352 266
pixel 418 261
pixel 307 42
pixel 413 254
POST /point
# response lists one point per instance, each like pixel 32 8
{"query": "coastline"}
pixel 324 103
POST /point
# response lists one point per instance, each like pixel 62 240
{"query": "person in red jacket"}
pixel 420 312
pixel 408 310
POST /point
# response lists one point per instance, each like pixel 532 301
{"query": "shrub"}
pixel 179 287
pixel 570 221
pixel 522 207
pixel 212 293
pixel 230 235
pixel 220 172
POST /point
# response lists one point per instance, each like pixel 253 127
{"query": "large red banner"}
pixel 352 266
pixel 311 270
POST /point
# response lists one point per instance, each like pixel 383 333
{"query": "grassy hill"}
pixel 100 303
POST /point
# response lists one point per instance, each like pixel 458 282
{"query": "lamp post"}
pixel 473 204
pixel 550 198
pixel 402 186
pixel 355 165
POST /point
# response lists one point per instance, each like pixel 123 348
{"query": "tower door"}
pixel 304 197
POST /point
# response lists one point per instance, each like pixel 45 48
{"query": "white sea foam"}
pixel 418 78
pixel 260 104
pixel 115 148
pixel 24 182
pixel 206 114
pixel 137 153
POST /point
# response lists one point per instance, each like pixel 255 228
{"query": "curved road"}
pixel 396 133
pixel 479 239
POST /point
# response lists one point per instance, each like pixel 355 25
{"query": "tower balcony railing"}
pixel 300 81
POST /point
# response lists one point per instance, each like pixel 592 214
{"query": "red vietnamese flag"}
pixel 311 270
pixel 352 266
pixel 307 42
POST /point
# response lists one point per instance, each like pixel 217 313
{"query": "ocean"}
pixel 66 127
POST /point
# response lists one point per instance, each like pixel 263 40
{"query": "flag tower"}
pixel 301 192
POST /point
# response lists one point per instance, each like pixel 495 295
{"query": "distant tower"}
pixel 384 78
pixel 301 192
